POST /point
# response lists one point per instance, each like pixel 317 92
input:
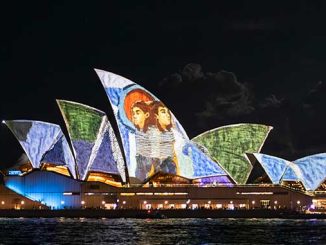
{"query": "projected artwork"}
pixel 61 154
pixel 215 180
pixel 292 173
pixel 43 142
pixel 93 140
pixel 153 140
pixel 274 167
pixel 309 170
pixel 313 170
pixel 228 146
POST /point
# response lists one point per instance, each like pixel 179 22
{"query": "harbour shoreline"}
pixel 144 214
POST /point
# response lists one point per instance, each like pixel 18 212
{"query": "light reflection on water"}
pixel 161 231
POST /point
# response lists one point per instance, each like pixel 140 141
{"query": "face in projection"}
pixel 139 117
pixel 163 117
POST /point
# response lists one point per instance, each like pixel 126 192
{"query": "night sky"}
pixel 212 63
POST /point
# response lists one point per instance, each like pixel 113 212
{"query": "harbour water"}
pixel 161 231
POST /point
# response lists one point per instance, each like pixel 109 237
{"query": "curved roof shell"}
pixel 292 173
pixel 94 143
pixel 313 170
pixel 155 145
pixel 273 166
pixel 43 142
pixel 228 146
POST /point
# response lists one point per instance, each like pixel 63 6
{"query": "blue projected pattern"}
pixel 292 173
pixel 204 166
pixel 274 167
pixel 215 180
pixel 61 154
pixel 56 154
pixel 104 162
pixel 83 151
pixel 313 170
pixel 153 139
pixel 43 142
pixel 35 137
pixel 108 156
pixel 310 170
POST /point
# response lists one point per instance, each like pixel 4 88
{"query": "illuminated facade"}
pixel 43 143
pixel 94 143
pixel 153 139
pixel 313 170
pixel 55 191
pixel 9 199
pixel 159 166
pixel 229 144
pixel 309 171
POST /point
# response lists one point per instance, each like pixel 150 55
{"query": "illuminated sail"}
pixel 313 170
pixel 273 166
pixel 43 142
pixel 292 173
pixel 93 140
pixel 153 139
pixel 228 146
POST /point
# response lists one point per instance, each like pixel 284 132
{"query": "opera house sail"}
pixel 151 163
pixel 309 171
pixel 313 170
pixel 229 144
pixel 94 143
pixel 43 143
pixel 153 139
pixel 274 167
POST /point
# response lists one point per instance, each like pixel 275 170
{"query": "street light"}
pixel 253 204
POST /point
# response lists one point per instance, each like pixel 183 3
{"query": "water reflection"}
pixel 165 231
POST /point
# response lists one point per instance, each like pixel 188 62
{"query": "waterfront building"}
pixel 150 162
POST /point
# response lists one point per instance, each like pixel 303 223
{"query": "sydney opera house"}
pixel 151 163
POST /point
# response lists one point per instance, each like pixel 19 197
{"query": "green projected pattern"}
pixel 228 146
pixel 83 122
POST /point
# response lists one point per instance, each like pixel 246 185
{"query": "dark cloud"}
pixel 173 80
pixel 316 98
pixel 229 99
pixel 192 72
pixel 48 51
pixel 271 102
pixel 214 96
pixel 213 99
